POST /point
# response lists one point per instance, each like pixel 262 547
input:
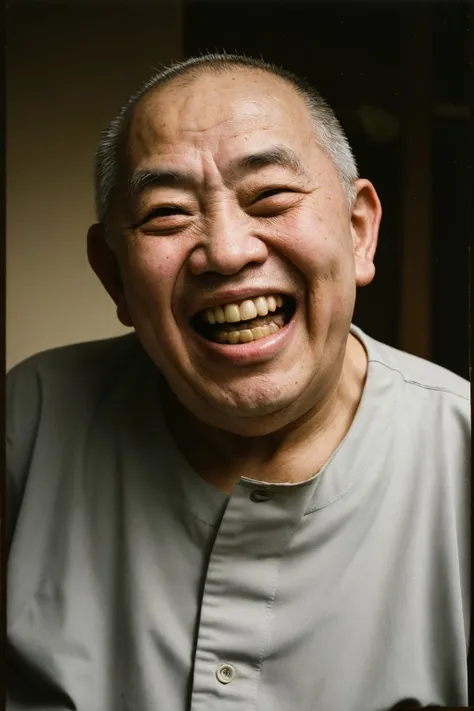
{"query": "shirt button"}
pixel 259 495
pixel 225 673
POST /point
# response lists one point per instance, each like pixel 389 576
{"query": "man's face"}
pixel 236 211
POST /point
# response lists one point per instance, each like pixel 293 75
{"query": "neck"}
pixel 290 455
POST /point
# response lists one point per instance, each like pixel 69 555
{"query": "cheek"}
pixel 318 246
pixel 149 272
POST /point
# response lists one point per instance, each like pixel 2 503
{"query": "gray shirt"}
pixel 135 586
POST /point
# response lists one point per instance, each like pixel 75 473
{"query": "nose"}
pixel 228 244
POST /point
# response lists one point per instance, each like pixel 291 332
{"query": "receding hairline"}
pixel 111 158
pixel 191 74
pixel 184 80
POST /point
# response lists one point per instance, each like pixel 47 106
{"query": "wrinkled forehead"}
pixel 213 110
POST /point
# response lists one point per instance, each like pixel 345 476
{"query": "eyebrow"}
pixel 276 155
pixel 169 178
pixel 158 178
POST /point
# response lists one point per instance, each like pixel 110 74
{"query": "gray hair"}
pixel 329 133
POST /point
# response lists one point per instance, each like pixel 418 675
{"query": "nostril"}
pixel 227 252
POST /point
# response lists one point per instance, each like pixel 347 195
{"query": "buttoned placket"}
pixel 239 591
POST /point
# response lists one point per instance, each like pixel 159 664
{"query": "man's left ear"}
pixel 365 221
pixel 104 263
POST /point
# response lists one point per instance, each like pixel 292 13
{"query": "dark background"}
pixel 397 76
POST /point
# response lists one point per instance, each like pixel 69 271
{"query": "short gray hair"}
pixel 329 133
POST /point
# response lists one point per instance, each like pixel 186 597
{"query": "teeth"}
pixel 210 316
pixel 247 335
pixel 261 306
pixel 246 311
pixel 232 313
pixel 219 314
pixel 272 304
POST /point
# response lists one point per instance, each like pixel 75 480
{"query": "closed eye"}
pixel 165 211
pixel 270 192
pixel 162 218
pixel 273 202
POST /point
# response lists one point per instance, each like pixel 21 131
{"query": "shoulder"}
pixel 418 374
pixel 67 372
pixel 430 401
pixel 429 428
pixel 75 371
pixel 66 375
pixel 55 391
pixel 64 381
pixel 90 360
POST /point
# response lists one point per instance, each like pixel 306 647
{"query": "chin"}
pixel 253 414
pixel 257 425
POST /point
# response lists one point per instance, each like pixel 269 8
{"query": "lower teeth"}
pixel 246 335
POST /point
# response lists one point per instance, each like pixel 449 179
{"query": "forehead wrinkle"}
pixel 280 155
pixel 158 123
pixel 164 173
pixel 172 109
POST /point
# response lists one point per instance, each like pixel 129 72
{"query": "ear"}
pixel 365 221
pixel 104 263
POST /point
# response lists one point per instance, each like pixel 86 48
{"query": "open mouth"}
pixel 245 321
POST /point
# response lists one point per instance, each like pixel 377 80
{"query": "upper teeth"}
pixel 246 310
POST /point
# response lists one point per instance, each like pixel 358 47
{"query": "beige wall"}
pixel 69 70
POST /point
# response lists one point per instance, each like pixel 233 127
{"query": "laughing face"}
pixel 238 254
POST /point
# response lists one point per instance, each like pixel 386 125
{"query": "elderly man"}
pixel 248 503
